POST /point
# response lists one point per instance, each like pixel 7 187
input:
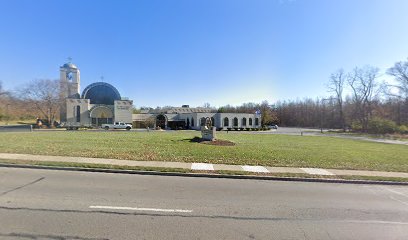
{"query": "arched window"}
pixel 235 122
pixel 244 122
pixel 226 122
pixel 250 121
pixel 78 113
pixel 192 122
pixel 188 122
pixel 202 120
pixel 256 121
pixel 212 121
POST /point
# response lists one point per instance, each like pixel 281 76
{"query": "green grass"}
pixel 253 149
pixel 395 136
pixel 17 122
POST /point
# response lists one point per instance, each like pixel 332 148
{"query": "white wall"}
pixel 123 111
pixel 71 111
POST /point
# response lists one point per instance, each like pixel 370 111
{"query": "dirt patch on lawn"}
pixel 217 142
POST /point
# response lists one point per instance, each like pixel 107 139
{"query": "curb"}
pixel 204 175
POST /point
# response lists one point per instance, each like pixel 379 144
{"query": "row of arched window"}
pixel 243 121
pixel 226 122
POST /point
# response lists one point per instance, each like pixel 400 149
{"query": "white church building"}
pixel 193 118
pixel 98 103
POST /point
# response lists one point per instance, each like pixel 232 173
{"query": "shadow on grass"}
pixel 217 142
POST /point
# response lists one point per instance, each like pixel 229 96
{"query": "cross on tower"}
pixel 102 79
pixel 69 59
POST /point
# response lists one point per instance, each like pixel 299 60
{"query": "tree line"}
pixel 357 100
pixel 38 99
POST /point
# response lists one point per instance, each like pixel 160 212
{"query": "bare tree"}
pixel 2 91
pixel 336 86
pixel 400 72
pixel 149 122
pixel 207 105
pixel 44 95
pixel 363 84
pixel 227 108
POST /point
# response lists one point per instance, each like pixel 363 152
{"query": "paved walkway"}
pixel 200 166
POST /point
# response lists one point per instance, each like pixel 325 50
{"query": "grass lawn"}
pixel 17 122
pixel 253 149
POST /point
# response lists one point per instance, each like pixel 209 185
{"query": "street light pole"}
pixel 7 113
pixel 321 118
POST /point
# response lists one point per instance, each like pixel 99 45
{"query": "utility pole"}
pixel 7 113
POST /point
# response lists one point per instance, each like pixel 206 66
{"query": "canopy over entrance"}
pixel 101 115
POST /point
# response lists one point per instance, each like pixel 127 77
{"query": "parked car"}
pixel 273 127
pixel 117 125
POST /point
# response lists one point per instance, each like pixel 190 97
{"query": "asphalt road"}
pixel 48 204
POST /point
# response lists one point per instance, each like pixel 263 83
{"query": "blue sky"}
pixel 191 52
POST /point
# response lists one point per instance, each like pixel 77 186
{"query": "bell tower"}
pixel 69 80
pixel 69 86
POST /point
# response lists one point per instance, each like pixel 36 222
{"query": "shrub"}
pixel 356 126
pixel 381 126
pixel 403 129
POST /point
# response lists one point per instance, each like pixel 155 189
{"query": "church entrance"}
pixel 161 121
pixel 101 115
